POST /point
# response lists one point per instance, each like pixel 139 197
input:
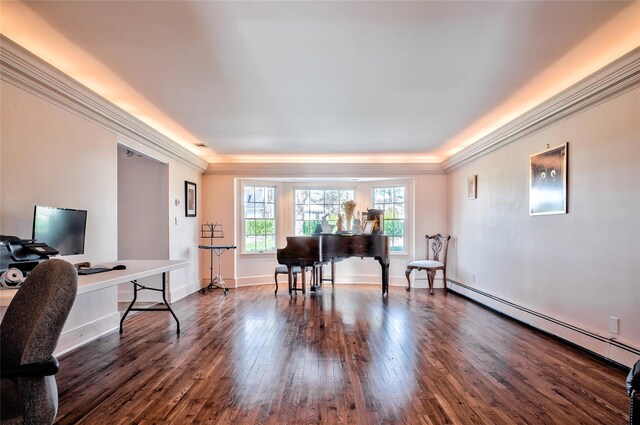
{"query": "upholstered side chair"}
pixel 283 269
pixel 29 333
pixel 437 246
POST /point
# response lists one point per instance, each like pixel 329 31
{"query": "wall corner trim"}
pixel 23 69
pixel 614 79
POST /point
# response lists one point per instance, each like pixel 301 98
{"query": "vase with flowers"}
pixel 349 209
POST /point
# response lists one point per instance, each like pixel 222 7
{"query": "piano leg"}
pixel 316 277
pixel 384 265
pixel 333 272
pixel 290 280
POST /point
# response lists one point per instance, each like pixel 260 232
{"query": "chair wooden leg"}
pixel 407 273
pixel 275 277
pixel 430 277
pixel 444 281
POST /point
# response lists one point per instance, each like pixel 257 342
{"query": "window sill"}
pixel 257 253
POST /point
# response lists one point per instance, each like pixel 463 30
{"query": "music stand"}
pixel 213 231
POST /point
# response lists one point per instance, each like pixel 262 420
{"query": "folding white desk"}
pixel 136 269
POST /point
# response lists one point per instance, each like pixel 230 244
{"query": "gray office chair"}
pixel 29 334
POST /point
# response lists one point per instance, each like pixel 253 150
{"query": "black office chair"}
pixel 633 389
pixel 29 333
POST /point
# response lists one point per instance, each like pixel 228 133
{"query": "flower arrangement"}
pixel 349 209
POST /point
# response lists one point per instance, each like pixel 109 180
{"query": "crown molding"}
pixel 324 169
pixel 614 79
pixel 23 69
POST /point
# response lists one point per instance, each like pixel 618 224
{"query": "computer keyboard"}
pixel 93 270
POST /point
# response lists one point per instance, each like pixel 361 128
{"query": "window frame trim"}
pixel 404 184
pixel 243 218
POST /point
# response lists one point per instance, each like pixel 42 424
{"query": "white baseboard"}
pixel 74 338
pixel 182 291
pixel 586 339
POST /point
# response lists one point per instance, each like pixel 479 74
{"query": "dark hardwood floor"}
pixel 344 355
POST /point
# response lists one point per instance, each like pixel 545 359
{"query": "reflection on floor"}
pixel 341 355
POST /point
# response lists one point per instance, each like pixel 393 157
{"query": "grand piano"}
pixel 308 251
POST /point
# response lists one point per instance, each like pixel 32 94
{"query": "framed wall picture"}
pixel 472 187
pixel 548 181
pixel 190 199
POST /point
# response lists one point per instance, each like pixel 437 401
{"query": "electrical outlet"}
pixel 613 324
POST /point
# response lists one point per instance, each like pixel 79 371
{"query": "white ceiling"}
pixel 274 78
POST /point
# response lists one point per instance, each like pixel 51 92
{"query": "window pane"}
pixel 333 210
pixel 316 196
pixel 388 227
pixel 398 194
pixel 270 242
pixel 249 227
pixel 299 226
pixel 398 211
pixel 271 195
pixel 259 193
pixel 388 212
pixel 249 211
pixel 302 196
pixel 388 195
pixel 377 196
pixel 248 194
pixel 269 211
pixel 299 212
pixel 260 240
pixel 250 243
pixel 270 227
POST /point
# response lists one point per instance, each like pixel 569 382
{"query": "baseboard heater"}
pixel 574 328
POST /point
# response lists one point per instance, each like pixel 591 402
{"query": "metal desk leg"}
pixel 164 292
pixel 137 287
pixel 133 301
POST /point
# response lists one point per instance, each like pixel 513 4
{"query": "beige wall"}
pixel 50 156
pixel 221 205
pixel 579 268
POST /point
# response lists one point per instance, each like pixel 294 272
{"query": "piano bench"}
pixel 283 269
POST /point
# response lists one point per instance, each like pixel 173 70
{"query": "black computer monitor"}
pixel 60 228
